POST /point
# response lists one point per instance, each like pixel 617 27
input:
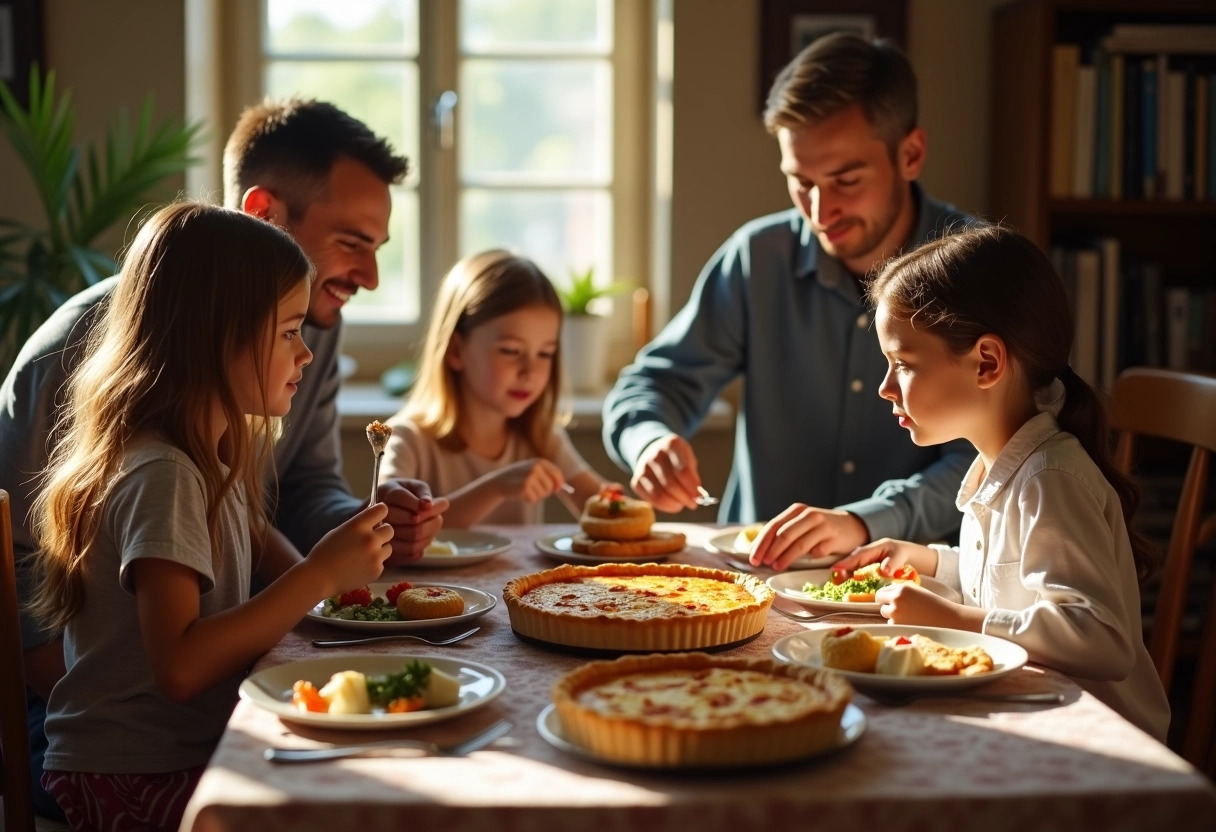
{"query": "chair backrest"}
pixel 1180 407
pixel 15 786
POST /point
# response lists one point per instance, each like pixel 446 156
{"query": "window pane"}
pixel 560 230
pixel 397 298
pixel 382 95
pixel 534 122
pixel 328 27
pixel 506 26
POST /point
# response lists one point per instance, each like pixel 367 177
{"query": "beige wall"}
pixel 725 165
pixel 110 55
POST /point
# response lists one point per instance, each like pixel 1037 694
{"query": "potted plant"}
pixel 584 334
pixel 82 194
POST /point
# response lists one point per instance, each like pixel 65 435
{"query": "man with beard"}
pixel 324 177
pixel 782 303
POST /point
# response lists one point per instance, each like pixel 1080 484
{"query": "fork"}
pixel 345 642
pixel 389 748
pixel 804 617
pixel 898 700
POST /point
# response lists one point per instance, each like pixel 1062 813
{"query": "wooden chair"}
pixel 1180 407
pixel 14 737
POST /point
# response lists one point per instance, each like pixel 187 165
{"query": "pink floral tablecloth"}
pixel 945 764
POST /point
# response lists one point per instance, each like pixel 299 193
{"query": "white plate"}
pixel 271 689
pixel 549 724
pixel 557 546
pixel 789 585
pixel 803 648
pixel 476 604
pixel 471 547
pixel 725 544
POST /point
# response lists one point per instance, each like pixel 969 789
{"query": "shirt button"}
pixel 848 466
pixel 979 545
pixel 857 385
pixel 974 594
pixel 863 321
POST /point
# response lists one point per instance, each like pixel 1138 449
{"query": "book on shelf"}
pixel 1177 321
pixel 1084 133
pixel 1108 250
pixel 1066 58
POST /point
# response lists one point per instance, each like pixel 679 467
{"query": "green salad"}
pixel 838 592
pixel 378 610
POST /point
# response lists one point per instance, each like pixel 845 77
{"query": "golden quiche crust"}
pixel 697 710
pixel 638 607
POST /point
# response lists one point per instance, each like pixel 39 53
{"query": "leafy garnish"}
pixel 407 684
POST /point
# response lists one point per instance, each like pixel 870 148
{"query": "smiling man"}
pixel 324 177
pixel 780 303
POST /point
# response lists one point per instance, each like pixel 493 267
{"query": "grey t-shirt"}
pixel 107 715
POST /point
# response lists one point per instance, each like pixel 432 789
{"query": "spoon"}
pixel 704 498
pixel 343 642
pixel 377 435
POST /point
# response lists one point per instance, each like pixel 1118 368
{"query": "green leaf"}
pixel 582 291
pixel 84 191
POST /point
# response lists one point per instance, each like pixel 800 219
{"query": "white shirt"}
pixel 1044 548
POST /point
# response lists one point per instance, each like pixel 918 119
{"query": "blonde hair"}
pixel 198 290
pixel 478 289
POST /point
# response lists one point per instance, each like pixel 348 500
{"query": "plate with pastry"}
pixel 461 547
pixel 403 607
pixel 373 693
pixel 575 547
pixel 826 590
pixel 905 658
pixel 701 712
pixel 613 528
pixel 739 542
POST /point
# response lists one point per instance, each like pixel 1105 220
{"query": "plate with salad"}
pixel 828 591
pixel 373 692
pixel 373 608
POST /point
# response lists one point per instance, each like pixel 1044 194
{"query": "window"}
pixel 514 116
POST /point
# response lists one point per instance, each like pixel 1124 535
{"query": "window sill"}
pixel 360 402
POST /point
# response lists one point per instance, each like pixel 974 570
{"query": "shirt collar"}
pixel 983 487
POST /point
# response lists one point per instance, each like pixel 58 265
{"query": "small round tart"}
pixel 610 515
pixel 423 602
pixel 849 649
pixel 657 543
pixel 638 607
pixel 696 710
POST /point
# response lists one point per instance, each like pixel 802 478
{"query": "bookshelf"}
pixel 1071 112
pixel 1131 248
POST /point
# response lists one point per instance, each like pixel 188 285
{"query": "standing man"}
pixel 324 177
pixel 782 304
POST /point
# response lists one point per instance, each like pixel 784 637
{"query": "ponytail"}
pixel 1084 416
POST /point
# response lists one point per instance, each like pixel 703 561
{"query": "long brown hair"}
pixel 478 289
pixel 199 289
pixel 992 280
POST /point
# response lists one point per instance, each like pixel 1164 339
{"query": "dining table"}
pixel 935 763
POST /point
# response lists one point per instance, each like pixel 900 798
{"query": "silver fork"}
pixel 898 700
pixel 346 642
pixel 799 615
pixel 389 748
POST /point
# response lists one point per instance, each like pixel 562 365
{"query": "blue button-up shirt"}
pixel 774 308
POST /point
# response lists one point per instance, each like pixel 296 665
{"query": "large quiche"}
pixel 698 710
pixel 637 607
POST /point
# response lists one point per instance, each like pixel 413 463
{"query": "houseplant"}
pixel 82 192
pixel 584 333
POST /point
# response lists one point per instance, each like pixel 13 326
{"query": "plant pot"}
pixel 585 352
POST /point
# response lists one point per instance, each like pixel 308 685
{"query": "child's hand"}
pixel 802 530
pixel 415 516
pixel 353 554
pixel 889 554
pixel 907 603
pixel 531 480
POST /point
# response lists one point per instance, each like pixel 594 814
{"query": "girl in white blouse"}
pixel 977 330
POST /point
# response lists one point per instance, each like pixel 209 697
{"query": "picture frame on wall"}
pixel 788 26
pixel 20 44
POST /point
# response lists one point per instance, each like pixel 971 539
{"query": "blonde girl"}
pixel 977 331
pixel 480 424
pixel 152 516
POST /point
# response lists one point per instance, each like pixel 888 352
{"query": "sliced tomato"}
pixel 393 591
